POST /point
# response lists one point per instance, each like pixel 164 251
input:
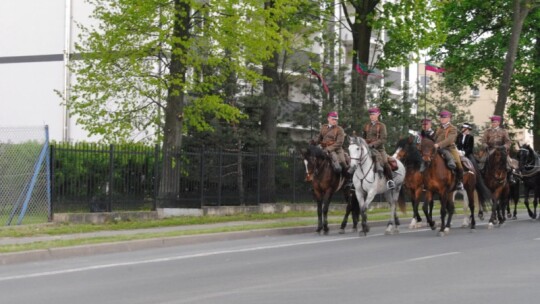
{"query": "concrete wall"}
pixel 106 217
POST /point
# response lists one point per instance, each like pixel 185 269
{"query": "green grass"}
pixel 256 221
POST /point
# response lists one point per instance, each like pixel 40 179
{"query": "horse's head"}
pixel 407 150
pixel 497 159
pixel 427 149
pixel 358 149
pixel 312 156
pixel 526 157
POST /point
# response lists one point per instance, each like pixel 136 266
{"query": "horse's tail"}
pixel 401 201
pixel 484 194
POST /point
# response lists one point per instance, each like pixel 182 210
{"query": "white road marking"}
pixel 175 258
pixel 433 256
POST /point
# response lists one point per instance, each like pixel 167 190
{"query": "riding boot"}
pixel 390 184
pixel 459 179
pixel 335 162
pixel 450 162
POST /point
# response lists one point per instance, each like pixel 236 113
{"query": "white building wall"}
pixel 36 29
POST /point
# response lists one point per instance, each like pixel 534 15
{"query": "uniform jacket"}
pixel 496 137
pixel 445 136
pixel 466 145
pixel 375 135
pixel 331 138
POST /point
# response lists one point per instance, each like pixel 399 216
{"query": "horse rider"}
pixel 465 141
pixel 495 137
pixel 445 140
pixel 426 129
pixel 331 137
pixel 374 133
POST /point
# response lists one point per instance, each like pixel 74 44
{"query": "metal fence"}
pixel 24 175
pixel 96 178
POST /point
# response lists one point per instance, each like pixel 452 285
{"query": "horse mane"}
pixel 413 156
pixel 316 151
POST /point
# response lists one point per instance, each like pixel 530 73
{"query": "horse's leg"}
pixel 319 216
pixel 362 209
pixel 450 206
pixel 326 206
pixel 428 209
pixel 515 198
pixel 346 217
pixel 391 227
pixel 470 199
pixel 444 210
pixel 466 207
pixel 526 202
pixel 415 198
pixel 355 213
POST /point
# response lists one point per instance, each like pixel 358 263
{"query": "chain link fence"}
pixel 24 175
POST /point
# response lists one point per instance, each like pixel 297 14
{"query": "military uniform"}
pixel 493 138
pixel 331 139
pixel 375 135
pixel 445 138
pixel 496 137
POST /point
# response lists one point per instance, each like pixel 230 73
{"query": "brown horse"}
pixel 495 175
pixel 440 180
pixel 407 152
pixel 325 182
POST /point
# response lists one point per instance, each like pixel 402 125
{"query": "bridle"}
pixel 500 177
pixel 361 160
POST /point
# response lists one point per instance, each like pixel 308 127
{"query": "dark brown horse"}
pixel 495 175
pixel 407 152
pixel 529 168
pixel 440 180
pixel 325 182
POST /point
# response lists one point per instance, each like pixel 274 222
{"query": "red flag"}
pixel 433 68
pixel 321 80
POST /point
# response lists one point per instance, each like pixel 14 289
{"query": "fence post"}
pixel 259 176
pixel 202 177
pixel 220 175
pixel 294 176
pixel 111 177
pixel 51 163
pixel 156 173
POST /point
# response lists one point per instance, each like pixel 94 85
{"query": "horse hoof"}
pixel 473 230
pixel 354 230
pixel 447 230
pixel 341 231
pixel 490 226
pixel 514 217
pixel 501 225
pixel 441 233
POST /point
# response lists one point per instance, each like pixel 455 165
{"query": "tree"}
pixel 145 68
pixel 485 43
pixel 521 9
pixel 402 28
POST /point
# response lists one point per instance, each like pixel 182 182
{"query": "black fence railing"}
pixel 97 178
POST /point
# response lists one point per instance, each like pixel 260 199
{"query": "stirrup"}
pixel 390 184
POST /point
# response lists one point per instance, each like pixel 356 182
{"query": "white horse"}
pixel 368 183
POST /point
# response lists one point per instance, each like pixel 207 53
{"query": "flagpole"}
pixel 311 111
pixel 425 91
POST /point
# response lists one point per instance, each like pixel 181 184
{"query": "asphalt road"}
pixel 488 266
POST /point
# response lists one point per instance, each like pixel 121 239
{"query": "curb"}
pixel 126 246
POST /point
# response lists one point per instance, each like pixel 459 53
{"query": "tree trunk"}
pixel 536 92
pixel 361 34
pixel 269 117
pixel 520 13
pixel 174 116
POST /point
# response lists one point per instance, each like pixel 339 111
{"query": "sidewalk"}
pixel 156 242
pixel 152 242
